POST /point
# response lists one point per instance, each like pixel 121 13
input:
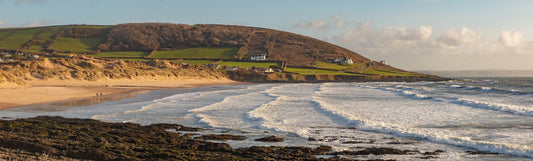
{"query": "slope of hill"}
pixel 295 49
pixel 209 43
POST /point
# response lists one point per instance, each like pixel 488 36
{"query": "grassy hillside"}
pixel 200 52
pixel 4 34
pixel 122 54
pixel 75 45
pixel 18 39
pixel 232 44
pixel 38 44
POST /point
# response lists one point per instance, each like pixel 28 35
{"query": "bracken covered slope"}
pixel 296 50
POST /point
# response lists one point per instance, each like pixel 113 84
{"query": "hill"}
pixel 197 44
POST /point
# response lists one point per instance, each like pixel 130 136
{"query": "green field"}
pixel 91 26
pixel 4 34
pixel 19 38
pixel 388 73
pixel 123 54
pixel 48 35
pixel 203 52
pixel 248 64
pixel 136 59
pixel 77 45
pixel 308 71
pixel 197 62
pixel 334 66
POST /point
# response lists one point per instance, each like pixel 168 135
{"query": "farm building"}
pixel 233 68
pixel 261 57
pixel 216 66
pixel 347 60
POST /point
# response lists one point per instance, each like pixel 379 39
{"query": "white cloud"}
pixel 459 37
pixel 363 35
pixel 333 21
pixel 414 48
pixel 340 23
pixel 34 23
pixel 510 38
pixel 317 24
pixel 2 23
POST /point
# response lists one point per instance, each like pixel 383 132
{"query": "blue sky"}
pixel 409 34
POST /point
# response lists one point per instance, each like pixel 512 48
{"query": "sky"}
pixel 408 34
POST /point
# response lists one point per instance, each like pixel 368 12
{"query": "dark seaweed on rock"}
pixel 96 140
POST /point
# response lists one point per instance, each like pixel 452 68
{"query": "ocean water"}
pixel 493 115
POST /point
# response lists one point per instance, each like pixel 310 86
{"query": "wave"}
pixel 519 110
pixel 489 89
pixel 513 109
pixel 422 133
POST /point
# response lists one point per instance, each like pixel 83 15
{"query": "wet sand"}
pixel 45 91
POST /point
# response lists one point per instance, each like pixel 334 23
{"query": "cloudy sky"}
pixel 409 34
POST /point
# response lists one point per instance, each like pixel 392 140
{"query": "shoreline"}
pixel 49 91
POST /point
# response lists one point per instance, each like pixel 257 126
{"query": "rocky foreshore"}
pixel 57 138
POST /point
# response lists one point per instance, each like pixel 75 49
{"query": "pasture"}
pixel 131 54
pixel 248 64
pixel 201 52
pixel 19 38
pixel 75 45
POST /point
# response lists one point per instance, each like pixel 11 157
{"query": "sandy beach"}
pixel 44 91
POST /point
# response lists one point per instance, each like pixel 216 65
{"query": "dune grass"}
pixel 19 38
pixel 77 45
pixel 132 54
pixel 248 64
pixel 201 52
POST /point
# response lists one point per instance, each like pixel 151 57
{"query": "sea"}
pixel 459 117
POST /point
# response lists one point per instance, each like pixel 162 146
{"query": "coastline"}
pixel 46 91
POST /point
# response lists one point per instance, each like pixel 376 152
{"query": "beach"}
pixel 455 120
pixel 45 91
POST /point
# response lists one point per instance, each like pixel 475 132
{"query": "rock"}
pixel 223 137
pixel 270 139
pixel 481 153
pixel 377 151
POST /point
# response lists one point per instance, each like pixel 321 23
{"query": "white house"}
pixel 261 57
pixel 347 60
pixel 383 62
pixel 34 56
pixel 337 60
pixel 233 68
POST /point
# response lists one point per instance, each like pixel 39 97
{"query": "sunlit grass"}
pixel 248 64
pixel 122 54
pixel 19 38
pixel 77 45
pixel 201 52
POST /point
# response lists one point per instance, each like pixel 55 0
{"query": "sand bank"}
pixel 43 91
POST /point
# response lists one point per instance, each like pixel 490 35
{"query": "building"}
pixel 347 60
pixel 383 62
pixel 233 68
pixel 264 70
pixel 34 57
pixel 261 57
pixel 216 66
pixel 337 60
